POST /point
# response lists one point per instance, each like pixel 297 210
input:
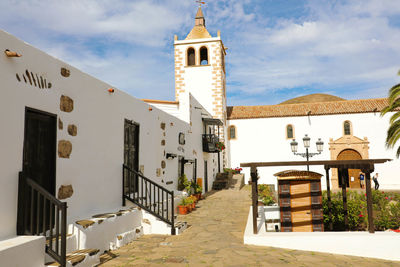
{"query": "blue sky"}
pixel 278 49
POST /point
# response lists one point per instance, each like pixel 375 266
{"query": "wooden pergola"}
pixel 365 165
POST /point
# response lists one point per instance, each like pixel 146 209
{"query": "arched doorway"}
pixel 350 154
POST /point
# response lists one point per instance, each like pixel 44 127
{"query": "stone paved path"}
pixel 215 238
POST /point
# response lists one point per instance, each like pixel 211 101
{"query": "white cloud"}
pixel 340 44
pixel 142 21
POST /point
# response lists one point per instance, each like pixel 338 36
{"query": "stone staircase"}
pixel 221 181
pixel 100 234
pixel 91 240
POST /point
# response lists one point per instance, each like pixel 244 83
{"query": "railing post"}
pixel 172 214
pixel 254 198
pixel 371 227
pixel 328 193
pixel 342 172
pixel 23 194
pixel 63 234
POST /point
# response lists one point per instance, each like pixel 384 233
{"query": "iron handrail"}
pixel 43 198
pixel 144 198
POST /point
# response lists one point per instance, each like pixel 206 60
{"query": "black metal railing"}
pixel 209 143
pixel 148 195
pixel 45 215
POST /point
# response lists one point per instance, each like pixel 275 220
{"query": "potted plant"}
pixel 182 208
pixel 193 199
pixel 220 146
pixel 189 204
pixel 182 182
pixel 238 170
pixel 197 191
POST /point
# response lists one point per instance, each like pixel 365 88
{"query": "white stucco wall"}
pixel 94 168
pixel 262 140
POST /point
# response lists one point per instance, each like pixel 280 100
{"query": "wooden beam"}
pixel 254 198
pixel 344 196
pixel 371 227
pixel 328 193
pixel 350 164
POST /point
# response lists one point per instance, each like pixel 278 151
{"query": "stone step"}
pixel 80 258
pixel 219 185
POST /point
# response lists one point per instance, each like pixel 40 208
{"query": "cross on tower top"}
pixel 200 2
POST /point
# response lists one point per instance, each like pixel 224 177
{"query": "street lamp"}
pixel 306 141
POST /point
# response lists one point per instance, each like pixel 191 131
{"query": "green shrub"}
pixel 183 182
pixel 265 195
pixel 386 210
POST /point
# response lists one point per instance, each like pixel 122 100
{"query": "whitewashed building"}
pixel 350 129
pixel 70 142
pixel 75 149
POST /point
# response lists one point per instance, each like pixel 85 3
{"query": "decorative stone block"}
pixel 60 124
pixel 162 125
pixel 65 72
pixel 66 104
pixel 72 129
pixel 163 164
pixel 64 149
pixel 65 191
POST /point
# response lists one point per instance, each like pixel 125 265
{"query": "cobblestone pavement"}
pixel 215 238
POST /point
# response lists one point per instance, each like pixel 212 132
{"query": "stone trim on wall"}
pixel 343 143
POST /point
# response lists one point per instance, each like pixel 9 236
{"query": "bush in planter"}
pixel 356 210
pixel 190 203
pixel 182 206
pixel 386 207
pixel 386 210
pixel 265 195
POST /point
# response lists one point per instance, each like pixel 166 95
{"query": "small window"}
pixel 203 56
pixel 232 132
pixel 191 57
pixel 347 128
pixel 289 132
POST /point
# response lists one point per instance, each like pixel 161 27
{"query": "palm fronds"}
pixel 393 133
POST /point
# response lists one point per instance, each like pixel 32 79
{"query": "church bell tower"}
pixel 200 69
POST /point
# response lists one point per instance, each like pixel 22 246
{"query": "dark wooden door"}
pixel 39 163
pixel 131 150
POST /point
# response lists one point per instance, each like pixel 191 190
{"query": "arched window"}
pixel 289 131
pixel 232 132
pixel 347 128
pixel 203 56
pixel 191 57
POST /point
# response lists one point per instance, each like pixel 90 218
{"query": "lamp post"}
pixel 306 141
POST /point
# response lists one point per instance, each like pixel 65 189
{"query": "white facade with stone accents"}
pixel 94 166
pixel 264 140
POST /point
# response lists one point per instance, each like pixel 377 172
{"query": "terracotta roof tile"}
pixel 304 109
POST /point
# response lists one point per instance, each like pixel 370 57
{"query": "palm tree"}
pixel 393 133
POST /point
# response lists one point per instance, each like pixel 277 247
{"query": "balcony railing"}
pixel 209 143
pixel 43 214
pixel 148 195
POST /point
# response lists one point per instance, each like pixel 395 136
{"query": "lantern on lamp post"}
pixel 306 142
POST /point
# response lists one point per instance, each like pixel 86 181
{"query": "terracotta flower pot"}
pixel 182 210
pixel 189 207
pixel 193 205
